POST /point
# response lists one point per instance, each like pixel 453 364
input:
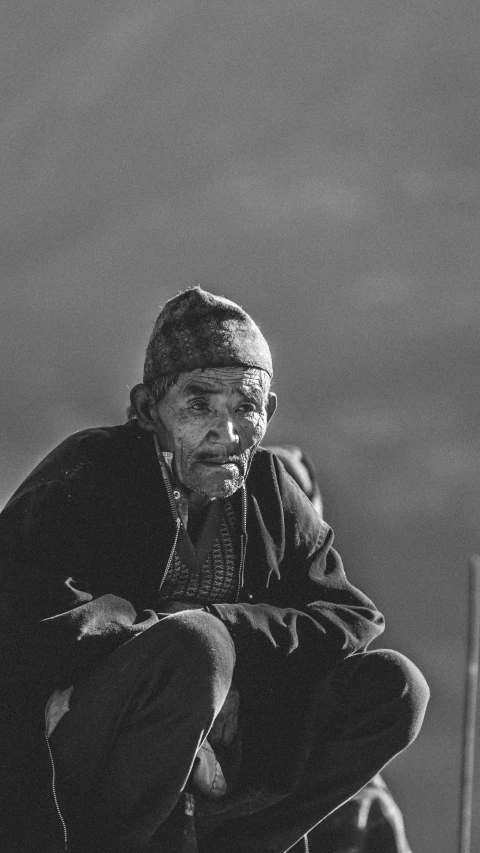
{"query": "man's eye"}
pixel 247 407
pixel 199 405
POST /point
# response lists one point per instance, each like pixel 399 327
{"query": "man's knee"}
pixel 200 641
pixel 384 686
pixel 395 682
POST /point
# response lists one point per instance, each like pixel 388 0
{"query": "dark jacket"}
pixel 85 540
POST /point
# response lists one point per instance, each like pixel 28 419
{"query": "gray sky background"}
pixel 318 163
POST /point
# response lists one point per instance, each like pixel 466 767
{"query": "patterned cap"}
pixel 197 329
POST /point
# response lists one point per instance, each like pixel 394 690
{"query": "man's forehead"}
pixel 217 379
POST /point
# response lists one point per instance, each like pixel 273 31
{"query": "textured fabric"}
pixel 198 329
pixel 216 578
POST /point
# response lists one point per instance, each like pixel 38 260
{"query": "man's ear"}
pixel 271 405
pixel 142 404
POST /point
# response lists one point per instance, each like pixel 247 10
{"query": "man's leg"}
pixel 124 751
pixel 366 711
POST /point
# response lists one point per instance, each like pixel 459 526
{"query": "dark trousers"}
pixel 125 750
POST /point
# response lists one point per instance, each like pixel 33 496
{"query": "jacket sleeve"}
pixel 343 621
pixel 53 624
pixel 308 600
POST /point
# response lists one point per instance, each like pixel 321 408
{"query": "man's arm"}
pixel 345 624
pixel 52 623
pixel 307 598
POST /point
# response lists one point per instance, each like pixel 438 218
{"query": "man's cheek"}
pixel 183 444
pixel 257 431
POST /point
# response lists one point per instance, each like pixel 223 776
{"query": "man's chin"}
pixel 217 484
pixel 228 488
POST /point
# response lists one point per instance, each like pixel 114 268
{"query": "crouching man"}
pixel 173 605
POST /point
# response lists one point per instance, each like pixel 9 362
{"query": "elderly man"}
pixel 147 568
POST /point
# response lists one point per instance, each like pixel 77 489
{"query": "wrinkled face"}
pixel 212 419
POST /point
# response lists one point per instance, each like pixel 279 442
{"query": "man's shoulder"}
pixel 96 445
pixel 265 475
pixel 101 440
pixel 88 453
pixel 268 470
pixel 262 462
pixel 276 491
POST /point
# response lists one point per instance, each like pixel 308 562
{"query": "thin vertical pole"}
pixel 470 706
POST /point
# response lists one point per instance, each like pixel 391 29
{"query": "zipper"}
pixel 55 799
pixel 173 507
pixel 243 543
pixel 166 478
pixel 178 522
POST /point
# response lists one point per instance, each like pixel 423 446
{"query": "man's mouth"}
pixel 214 462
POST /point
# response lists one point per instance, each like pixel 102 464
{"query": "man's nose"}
pixel 224 430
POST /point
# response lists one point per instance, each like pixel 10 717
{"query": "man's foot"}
pixel 207 776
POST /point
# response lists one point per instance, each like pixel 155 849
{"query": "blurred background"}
pixel 319 164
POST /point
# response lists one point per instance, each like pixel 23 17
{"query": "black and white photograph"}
pixel 240 433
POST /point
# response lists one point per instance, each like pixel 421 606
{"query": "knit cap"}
pixel 197 329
